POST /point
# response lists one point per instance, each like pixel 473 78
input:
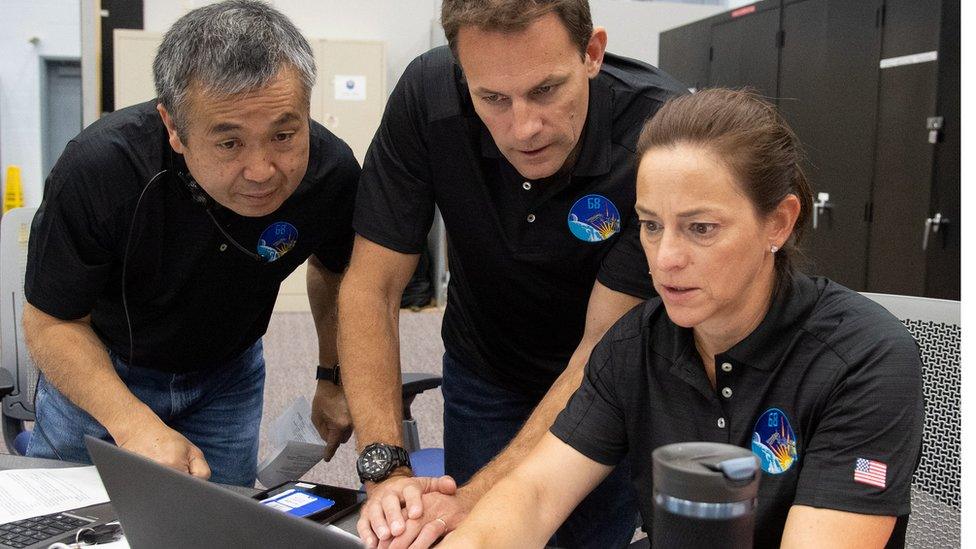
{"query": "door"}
pixel 828 87
pixel 904 157
pixel 62 108
pixel 745 50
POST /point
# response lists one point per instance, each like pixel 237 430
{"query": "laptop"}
pixel 162 508
pixel 41 532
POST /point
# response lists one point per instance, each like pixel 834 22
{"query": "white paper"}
pixel 26 493
pixel 350 87
pixel 295 423
pixel 289 462
pixel 297 446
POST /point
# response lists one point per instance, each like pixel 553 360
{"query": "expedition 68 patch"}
pixel 277 240
pixel 594 218
pixel 774 442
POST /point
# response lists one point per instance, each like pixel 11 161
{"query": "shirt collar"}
pixel 594 156
pixel 790 307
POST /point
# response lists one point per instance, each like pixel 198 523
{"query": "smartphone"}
pixel 319 502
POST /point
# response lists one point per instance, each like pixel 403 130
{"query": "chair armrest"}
pixel 7 382
pixel 414 383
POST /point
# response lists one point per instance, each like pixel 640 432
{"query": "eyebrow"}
pixel 642 213
pixel 551 80
pixel 225 127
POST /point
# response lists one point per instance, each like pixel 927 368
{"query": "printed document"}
pixel 26 493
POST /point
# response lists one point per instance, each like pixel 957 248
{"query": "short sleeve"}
pixel 624 268
pixel 866 446
pixel 395 202
pixel 70 253
pixel 593 421
pixel 336 247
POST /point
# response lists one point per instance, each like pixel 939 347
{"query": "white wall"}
pixel 404 25
pixel 55 25
pixel 633 27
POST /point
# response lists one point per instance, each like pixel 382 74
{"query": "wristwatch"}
pixel 378 460
pixel 329 374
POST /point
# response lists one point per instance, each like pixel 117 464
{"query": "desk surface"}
pixel 8 461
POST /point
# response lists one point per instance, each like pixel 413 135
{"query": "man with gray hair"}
pixel 165 232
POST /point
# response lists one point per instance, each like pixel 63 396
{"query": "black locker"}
pixel 942 273
pixel 904 158
pixel 828 93
pixel 683 53
pixel 882 137
pixel 745 49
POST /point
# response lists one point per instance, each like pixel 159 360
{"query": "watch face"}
pixel 375 462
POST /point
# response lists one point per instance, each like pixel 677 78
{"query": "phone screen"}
pixel 299 502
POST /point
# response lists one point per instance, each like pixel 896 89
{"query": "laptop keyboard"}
pixel 33 530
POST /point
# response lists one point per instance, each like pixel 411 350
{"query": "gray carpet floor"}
pixel 291 352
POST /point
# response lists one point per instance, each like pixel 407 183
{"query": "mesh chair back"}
pixel 14 233
pixel 936 491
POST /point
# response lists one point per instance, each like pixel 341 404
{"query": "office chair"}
pixel 18 404
pixel 425 462
pixel 936 489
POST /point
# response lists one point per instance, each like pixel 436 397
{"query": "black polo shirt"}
pixel 520 277
pixel 829 381
pixel 194 299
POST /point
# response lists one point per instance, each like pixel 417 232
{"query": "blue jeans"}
pixel 218 410
pixel 480 419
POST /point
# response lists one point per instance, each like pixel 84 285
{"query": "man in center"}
pixel 522 132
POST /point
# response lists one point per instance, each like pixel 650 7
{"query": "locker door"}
pixel 745 51
pixel 904 158
pixel 942 276
pixel 683 53
pixel 828 93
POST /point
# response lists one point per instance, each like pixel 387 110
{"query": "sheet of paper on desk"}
pixel 26 493
pixel 296 445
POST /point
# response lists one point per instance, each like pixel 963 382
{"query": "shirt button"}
pixel 527 186
pixel 223 247
pixel 530 218
pixel 721 423
pixel 726 367
pixel 727 393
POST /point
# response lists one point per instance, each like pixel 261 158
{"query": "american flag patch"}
pixel 868 471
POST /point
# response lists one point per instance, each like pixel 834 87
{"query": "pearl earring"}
pixel 774 248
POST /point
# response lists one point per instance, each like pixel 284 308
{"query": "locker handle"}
pixel 820 206
pixel 932 225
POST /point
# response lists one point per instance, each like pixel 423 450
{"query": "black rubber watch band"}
pixel 329 374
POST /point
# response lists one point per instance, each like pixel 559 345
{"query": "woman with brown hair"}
pixel 738 348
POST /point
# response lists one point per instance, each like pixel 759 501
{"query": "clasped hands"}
pixel 404 512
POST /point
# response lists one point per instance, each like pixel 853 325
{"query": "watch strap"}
pixel 329 373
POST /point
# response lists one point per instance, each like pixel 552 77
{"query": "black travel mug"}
pixel 704 496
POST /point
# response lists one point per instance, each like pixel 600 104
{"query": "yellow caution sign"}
pixel 13 191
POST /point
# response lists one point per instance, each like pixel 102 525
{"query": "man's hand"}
pixel 442 514
pixel 395 500
pixel 159 443
pixel 330 415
